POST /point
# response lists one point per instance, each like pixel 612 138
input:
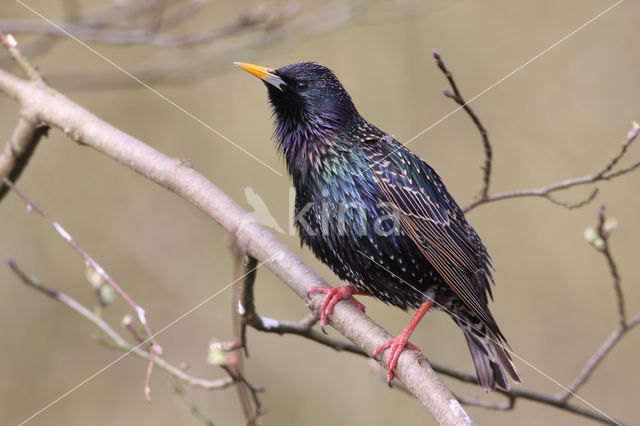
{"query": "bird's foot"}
pixel 402 341
pixel 396 347
pixel 333 296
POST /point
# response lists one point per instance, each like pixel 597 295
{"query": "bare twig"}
pixel 27 134
pixel 89 261
pixel 512 395
pixel 606 173
pixel 631 135
pixel 250 392
pixel 71 9
pixel 10 43
pixel 554 400
pixel 457 97
pixel 147 380
pixel 116 341
pixel 575 205
pixel 18 150
pixel 193 406
pixel 601 243
pixel 127 323
pixel 604 234
pixel 483 196
pixel 598 356
pixel 244 266
pixel 483 403
pixel 245 307
pixel 304 327
pixel 156 349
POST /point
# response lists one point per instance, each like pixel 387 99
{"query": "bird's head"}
pixel 307 99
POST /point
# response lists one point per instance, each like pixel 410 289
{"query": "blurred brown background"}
pixel 562 116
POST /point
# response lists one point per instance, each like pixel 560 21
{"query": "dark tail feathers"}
pixel 489 356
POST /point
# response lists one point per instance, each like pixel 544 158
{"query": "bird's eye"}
pixel 302 85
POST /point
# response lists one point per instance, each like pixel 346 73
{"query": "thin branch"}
pixel 514 393
pixel 27 134
pixel 156 349
pixel 247 310
pixel 116 341
pixel 606 173
pixel 244 266
pixel 575 205
pixel 601 243
pixel 483 403
pixel 245 306
pixel 252 419
pixel 18 150
pixel 302 328
pixel 598 356
pixel 457 97
pixel 89 261
pixel 10 43
pixel 127 322
pixel 631 135
pixel 604 234
pixel 193 407
pixel 147 380
pixel 483 196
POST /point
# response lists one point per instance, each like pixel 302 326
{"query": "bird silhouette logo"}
pixel 260 211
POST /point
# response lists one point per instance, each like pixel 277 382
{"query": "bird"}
pixel 381 218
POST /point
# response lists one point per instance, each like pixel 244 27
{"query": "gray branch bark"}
pixel 16 153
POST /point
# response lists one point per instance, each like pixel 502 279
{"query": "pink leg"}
pixel 333 296
pixel 398 344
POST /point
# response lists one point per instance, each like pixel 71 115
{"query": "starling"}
pixel 380 217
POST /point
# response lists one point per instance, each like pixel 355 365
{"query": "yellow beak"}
pixel 265 74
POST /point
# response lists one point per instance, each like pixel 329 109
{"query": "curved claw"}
pixel 333 296
pixel 396 346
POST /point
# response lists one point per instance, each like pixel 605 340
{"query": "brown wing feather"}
pixel 435 223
